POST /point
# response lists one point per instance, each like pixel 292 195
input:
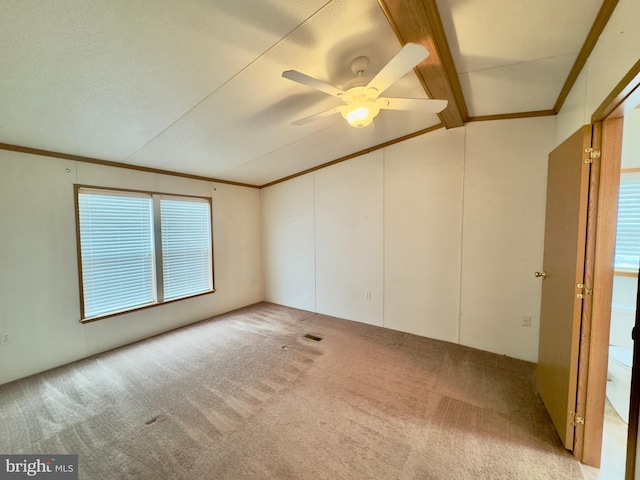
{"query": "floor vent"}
pixel 312 337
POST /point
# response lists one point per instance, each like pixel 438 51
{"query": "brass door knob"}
pixel 541 274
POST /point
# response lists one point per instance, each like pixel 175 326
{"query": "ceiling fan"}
pixel 363 102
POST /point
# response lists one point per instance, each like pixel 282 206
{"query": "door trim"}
pixel 596 319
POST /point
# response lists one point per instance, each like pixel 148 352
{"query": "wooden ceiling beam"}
pixel 608 6
pixel 419 22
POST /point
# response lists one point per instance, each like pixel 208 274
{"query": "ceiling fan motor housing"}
pixel 359 65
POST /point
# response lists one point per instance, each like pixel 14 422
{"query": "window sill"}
pixel 143 307
pixel 625 273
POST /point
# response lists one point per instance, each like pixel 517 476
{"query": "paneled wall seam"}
pixel 384 258
pixel 315 249
pixel 462 205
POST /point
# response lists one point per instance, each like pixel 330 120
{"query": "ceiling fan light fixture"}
pixel 363 102
pixel 360 114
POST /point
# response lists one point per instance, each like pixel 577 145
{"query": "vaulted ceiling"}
pixel 195 86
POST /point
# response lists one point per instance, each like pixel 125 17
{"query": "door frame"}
pixel 607 122
pixel 596 315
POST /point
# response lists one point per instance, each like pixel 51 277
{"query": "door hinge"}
pixel 575 420
pixel 582 286
pixel 592 155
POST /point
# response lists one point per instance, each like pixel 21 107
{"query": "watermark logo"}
pixel 49 467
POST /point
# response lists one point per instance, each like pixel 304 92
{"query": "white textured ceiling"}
pixel 194 86
pixel 514 56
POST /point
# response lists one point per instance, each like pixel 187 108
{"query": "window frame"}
pixel 157 248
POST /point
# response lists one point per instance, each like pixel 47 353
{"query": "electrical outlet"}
pixel 367 295
pixel 526 320
pixel 4 339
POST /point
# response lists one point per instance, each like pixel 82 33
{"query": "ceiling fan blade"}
pixel 315 83
pixel 407 58
pixel 311 118
pixel 414 104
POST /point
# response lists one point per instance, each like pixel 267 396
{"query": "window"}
pixel 141 249
pixel 627 257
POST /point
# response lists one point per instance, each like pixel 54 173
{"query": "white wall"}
pixel 40 304
pixel 288 247
pixel 573 115
pixel 423 234
pixel 445 230
pixel 504 213
pixel 623 310
pixel 349 248
pixel 322 251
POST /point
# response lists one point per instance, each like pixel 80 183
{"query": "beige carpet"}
pixel 246 395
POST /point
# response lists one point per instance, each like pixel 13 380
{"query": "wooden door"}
pixel 564 261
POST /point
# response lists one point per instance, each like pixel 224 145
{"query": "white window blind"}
pixel 627 255
pixel 186 246
pixel 139 249
pixel 116 245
